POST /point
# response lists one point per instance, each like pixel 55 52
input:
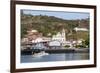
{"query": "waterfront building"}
pixel 69 43
pixel 73 43
pixel 54 44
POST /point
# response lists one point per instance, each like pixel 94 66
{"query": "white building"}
pixel 41 39
pixel 80 29
pixel 54 43
pixel 74 43
pixel 37 40
pixel 60 36
pixel 69 43
pixel 79 42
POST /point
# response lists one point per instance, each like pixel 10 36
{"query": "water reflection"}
pixel 55 57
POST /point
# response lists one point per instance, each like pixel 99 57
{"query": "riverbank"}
pixel 66 50
pixel 75 50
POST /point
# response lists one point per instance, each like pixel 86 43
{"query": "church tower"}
pixel 63 35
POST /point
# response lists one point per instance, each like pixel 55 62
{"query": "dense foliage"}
pixel 50 25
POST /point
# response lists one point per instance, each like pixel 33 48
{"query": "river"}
pixel 55 57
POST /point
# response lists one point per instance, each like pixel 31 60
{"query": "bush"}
pixel 80 46
pixel 67 46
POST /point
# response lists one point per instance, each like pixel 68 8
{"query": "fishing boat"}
pixel 40 54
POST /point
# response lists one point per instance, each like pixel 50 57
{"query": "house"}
pixel 40 42
pixel 33 34
pixel 80 29
pixel 25 43
pixel 69 43
pixel 73 43
pixel 37 40
pixel 29 37
pixel 79 42
pixel 23 40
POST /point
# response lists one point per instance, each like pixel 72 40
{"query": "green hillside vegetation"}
pixel 50 25
pixel 78 35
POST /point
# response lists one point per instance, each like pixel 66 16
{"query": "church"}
pixel 60 36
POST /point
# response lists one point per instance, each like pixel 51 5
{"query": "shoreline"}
pixel 50 51
pixel 67 51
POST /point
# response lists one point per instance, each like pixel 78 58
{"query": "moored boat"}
pixel 42 53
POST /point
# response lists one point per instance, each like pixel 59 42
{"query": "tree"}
pixel 87 42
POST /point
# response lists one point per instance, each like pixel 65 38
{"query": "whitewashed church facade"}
pixel 60 36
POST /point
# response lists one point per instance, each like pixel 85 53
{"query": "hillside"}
pixel 51 25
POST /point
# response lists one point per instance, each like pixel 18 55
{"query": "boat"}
pixel 40 54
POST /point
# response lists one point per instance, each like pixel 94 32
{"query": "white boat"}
pixel 42 53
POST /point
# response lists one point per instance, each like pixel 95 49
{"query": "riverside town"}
pixel 49 37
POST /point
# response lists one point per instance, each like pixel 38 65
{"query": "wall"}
pixel 5 36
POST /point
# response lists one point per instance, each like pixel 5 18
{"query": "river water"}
pixel 55 57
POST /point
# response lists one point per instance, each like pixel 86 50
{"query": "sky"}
pixel 59 14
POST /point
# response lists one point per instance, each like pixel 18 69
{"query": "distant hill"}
pixel 51 25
